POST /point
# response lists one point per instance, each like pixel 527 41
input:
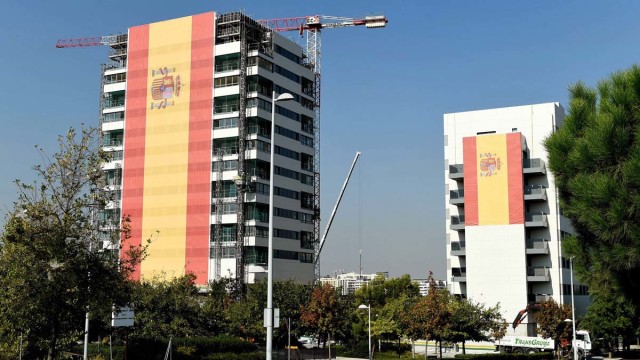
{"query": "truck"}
pixel 529 344
pixel 532 344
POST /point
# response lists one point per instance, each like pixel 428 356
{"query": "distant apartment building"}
pixel 504 228
pixel 348 283
pixel 424 285
pixel 186 113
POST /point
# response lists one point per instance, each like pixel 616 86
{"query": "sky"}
pixel 384 93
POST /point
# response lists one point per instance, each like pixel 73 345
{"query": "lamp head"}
pixel 284 97
pixel 363 306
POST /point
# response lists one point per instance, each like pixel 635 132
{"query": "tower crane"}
pixel 311 26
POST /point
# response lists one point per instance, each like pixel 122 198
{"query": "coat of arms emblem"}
pixel 165 85
pixel 489 164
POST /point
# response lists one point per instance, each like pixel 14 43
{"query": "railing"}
pixel 457 220
pixel 458 246
pixel 533 166
pixel 459 272
pixel 535 190
pixel 113 142
pixel 538 298
pixel 456 194
pixel 229 66
pixel 538 244
pixel 260 173
pixel 456 171
pixel 536 217
pixel 228 150
pixel 226 108
pixel 260 131
pixel 262 217
pixel 114 102
pixel 537 271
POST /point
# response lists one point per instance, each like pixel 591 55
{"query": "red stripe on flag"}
pixel 199 169
pixel 134 137
pixel 515 180
pixel 470 161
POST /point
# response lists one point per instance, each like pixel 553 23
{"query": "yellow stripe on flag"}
pixel 167 147
pixel 493 190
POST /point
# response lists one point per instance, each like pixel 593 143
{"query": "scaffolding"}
pixel 237 27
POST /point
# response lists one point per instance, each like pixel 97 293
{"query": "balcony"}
pixel 458 248
pixel 537 274
pixel 533 167
pixel 456 172
pixel 535 193
pixel 457 223
pixel 537 247
pixel 538 298
pixel 456 197
pixel 536 220
pixel 459 274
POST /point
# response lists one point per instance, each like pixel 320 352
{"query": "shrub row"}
pixel 497 356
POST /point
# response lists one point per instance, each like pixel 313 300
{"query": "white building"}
pixel 424 285
pixel 186 113
pixel 503 225
pixel 348 283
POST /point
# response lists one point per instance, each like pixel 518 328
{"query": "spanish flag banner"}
pixel 167 144
pixel 493 183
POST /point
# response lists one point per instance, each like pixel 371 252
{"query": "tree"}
pixel 322 312
pixel 474 321
pixel 170 308
pixel 550 318
pixel 430 317
pixel 595 159
pixel 609 317
pixel 49 275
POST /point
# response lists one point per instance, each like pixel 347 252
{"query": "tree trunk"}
pixel 464 350
pixel 51 351
pixel 426 347
pixel 440 348
pixel 329 337
pixel 413 349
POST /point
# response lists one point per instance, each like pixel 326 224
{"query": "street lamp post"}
pixel 269 320
pixel 573 314
pixel 369 309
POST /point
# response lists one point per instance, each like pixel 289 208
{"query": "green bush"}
pixel 496 356
pixel 234 356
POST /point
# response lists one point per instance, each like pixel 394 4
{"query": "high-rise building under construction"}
pixel 186 115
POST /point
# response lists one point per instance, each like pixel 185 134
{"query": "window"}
pixel 287 113
pixel 306 124
pixel 259 103
pixel 306 240
pixel 263 63
pixel 226 81
pixel 305 140
pixel 114 116
pixel 285 254
pixel 226 104
pixel 287 54
pixel 287 173
pixel 307 86
pixel 288 133
pixel 257 231
pixel 261 85
pixel 228 62
pixel 287 153
pixel 306 200
pixel 229 208
pixel 262 188
pixel 226 165
pixel 259 145
pixel 257 255
pixel 286 73
pixel 306 179
pixel 281 90
pixel 306 162
pixel 306 257
pixel 286 234
pixel 115 78
pixel 286 193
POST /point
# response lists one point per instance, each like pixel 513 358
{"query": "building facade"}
pixel 186 116
pixel 504 228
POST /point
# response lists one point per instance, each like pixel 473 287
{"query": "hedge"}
pixel 499 356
